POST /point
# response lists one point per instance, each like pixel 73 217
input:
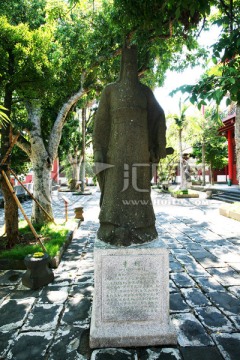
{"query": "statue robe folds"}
pixel 129 136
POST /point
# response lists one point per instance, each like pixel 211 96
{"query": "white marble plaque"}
pixel 131 298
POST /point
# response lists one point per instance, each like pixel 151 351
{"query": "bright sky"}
pixel 188 76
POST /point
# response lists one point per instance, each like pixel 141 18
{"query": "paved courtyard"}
pixel 53 323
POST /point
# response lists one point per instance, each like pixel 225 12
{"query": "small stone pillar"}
pixel 38 272
pixel 79 213
pixel 209 194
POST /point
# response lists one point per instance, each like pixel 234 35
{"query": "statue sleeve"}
pixel 102 126
pixel 156 128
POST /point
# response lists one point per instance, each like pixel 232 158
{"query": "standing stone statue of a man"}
pixel 129 136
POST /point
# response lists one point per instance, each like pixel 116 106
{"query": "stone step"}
pixel 227 196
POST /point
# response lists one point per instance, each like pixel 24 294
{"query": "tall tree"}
pixel 223 79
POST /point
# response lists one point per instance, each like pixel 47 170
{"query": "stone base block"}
pixel 131 298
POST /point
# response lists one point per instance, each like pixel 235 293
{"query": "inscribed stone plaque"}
pixel 131 299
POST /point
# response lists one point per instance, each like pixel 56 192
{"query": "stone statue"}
pixel 129 136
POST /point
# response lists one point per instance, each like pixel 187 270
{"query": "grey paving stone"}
pixel 11 277
pixel 6 340
pixel 83 279
pixel 172 287
pixel 190 331
pixel 206 259
pixel 177 303
pixel 214 320
pixel 236 321
pixel 226 302
pixel 208 284
pixel 182 255
pixel 62 279
pixel 77 311
pixel 22 292
pixel 235 290
pixel 194 269
pixel 160 354
pixel 229 345
pixel 113 354
pixel 31 345
pixel 201 353
pixel 13 313
pixel 182 280
pixel 43 317
pixel 193 246
pixel 234 265
pixel 172 244
pixel 4 292
pixel 85 289
pixel 53 295
pixel 194 297
pixel 175 266
pixel 225 276
pixel 67 344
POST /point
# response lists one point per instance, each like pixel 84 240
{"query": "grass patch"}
pixel 179 192
pixel 53 236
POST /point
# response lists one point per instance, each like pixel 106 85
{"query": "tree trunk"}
pixel 41 156
pixel 211 180
pixel 237 141
pixel 42 165
pixel 42 188
pixel 10 206
pixel 203 163
pixel 183 184
pixel 82 177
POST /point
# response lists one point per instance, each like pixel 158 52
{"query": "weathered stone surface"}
pixel 182 280
pixel 113 354
pixel 43 317
pixel 31 345
pixel 194 297
pixel 229 345
pixel 6 339
pixel 208 284
pixel 4 291
pixel 13 313
pixel 177 303
pixel 129 135
pixel 131 300
pixel 54 295
pixel 77 311
pixel 67 343
pixel 190 331
pixel 175 266
pixel 22 291
pixel 201 353
pixel 226 302
pixel 236 321
pixel 160 354
pixel 214 320
pixel 225 276
pixel 10 277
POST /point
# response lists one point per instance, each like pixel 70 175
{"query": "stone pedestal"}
pixel 79 213
pixel 131 298
pixel 38 272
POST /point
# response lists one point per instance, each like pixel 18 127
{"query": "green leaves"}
pixel 3 116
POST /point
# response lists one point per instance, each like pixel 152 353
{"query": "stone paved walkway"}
pixel 53 323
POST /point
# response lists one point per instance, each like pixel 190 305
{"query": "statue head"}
pixel 129 68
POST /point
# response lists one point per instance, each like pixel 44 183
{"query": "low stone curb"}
pixel 229 212
pixel 187 196
pixel 16 264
